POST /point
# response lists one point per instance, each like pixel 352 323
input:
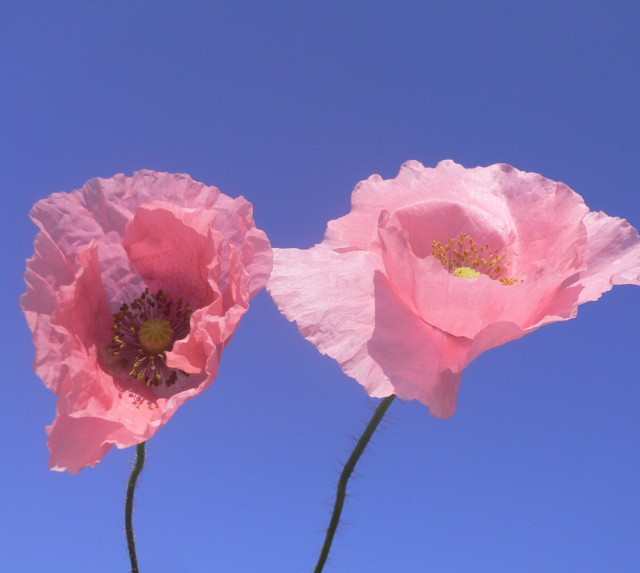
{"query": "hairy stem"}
pixel 128 508
pixel 344 479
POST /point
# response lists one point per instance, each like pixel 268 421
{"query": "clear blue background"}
pixel 291 104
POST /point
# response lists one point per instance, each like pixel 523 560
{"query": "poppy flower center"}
pixel 463 258
pixel 144 331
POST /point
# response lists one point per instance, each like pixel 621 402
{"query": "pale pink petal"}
pixel 548 220
pixel 330 296
pixel 170 254
pixel 78 443
pixel 448 219
pixel 422 362
pixel 414 184
pixel 234 221
pixel 102 208
pixel 612 255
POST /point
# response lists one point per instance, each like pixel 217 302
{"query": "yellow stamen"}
pixel 463 258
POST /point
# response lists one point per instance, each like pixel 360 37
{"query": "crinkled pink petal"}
pixel 447 219
pixel 171 249
pixel 413 185
pixel 77 443
pixel 234 221
pixel 421 362
pixel 612 255
pixel 429 323
pixel 548 222
pixel 331 297
pixel 211 330
pixel 101 247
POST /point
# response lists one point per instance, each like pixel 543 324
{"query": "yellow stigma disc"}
pixel 466 273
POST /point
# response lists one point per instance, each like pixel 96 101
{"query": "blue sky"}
pixel 291 104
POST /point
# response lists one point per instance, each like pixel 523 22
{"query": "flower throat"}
pixel 144 331
pixel 463 258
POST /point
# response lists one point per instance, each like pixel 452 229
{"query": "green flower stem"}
pixel 381 410
pixel 128 507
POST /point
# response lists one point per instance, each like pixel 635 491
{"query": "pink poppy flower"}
pixel 136 286
pixel 434 267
